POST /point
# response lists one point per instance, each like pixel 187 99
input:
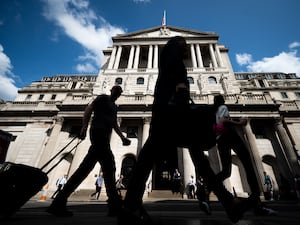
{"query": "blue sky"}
pixel 49 37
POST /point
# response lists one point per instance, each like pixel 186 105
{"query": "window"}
pixel 283 94
pixel 41 97
pixel 28 97
pixel 191 80
pixel 297 94
pixel 212 80
pixel 53 97
pixel 140 80
pixel 132 132
pixel 75 131
pixel 73 85
pixel 118 81
pixel 261 83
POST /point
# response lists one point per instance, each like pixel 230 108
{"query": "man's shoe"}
pixel 236 209
pixel 59 212
pixel 138 217
pixel 205 207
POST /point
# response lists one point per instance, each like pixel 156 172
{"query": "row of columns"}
pixel 185 161
pixel 134 55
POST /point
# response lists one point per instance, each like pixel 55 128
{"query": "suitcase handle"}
pixel 58 153
pixel 62 158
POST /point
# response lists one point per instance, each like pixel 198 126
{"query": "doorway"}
pixel 164 169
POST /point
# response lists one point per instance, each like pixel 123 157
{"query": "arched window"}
pixel 140 80
pixel 212 80
pixel 191 80
pixel 118 81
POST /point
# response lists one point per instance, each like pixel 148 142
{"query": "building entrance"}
pixel 163 171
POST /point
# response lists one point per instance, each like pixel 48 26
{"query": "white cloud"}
pixel 81 24
pixel 141 1
pixel 294 44
pixel 286 62
pixel 85 68
pixel 243 59
pixel 8 90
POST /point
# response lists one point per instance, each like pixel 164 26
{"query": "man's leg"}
pixel 133 212
pixel 107 162
pixel 58 205
pixel 243 154
pixel 224 150
pixel 234 208
pixel 141 171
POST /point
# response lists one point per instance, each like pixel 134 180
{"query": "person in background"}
pixel 269 186
pixel 104 120
pixel 120 185
pixel 203 195
pixel 191 186
pixel 60 184
pixel 176 182
pixel 98 186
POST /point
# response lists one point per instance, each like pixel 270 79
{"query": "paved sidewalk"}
pixel 163 212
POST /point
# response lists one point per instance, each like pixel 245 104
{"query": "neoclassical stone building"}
pixel 46 115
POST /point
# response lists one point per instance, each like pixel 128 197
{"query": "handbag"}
pixel 191 124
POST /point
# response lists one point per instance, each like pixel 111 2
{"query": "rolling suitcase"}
pixel 19 182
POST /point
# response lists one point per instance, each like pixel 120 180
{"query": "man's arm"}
pixel 117 129
pixel 85 120
pixel 225 118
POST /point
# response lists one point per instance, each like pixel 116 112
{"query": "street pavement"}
pixel 162 211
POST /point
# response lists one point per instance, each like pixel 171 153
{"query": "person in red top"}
pixel 227 140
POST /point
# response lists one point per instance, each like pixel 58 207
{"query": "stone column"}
pixel 296 138
pixel 136 57
pixel 288 147
pixel 146 127
pixel 150 57
pixel 193 55
pixel 199 56
pixel 188 166
pixel 51 146
pixel 212 55
pixel 180 160
pixel 130 60
pixel 112 58
pixel 256 159
pixel 155 62
pixel 219 56
pixel 116 65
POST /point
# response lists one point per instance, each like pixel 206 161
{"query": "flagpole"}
pixel 164 19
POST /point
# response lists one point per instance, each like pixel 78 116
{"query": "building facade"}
pixel 46 115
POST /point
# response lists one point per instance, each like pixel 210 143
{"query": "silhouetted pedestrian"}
pixel 104 120
pixel 227 140
pixel 171 82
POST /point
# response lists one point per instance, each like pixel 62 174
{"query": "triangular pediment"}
pixel 165 32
